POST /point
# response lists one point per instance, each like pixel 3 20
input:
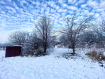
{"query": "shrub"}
pixel 38 52
pixel 94 55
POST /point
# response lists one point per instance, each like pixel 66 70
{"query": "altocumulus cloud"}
pixel 22 14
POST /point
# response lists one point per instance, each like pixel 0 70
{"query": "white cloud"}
pixel 42 10
pixel 97 15
pixel 61 10
pixel 83 5
pixel 102 0
pixel 81 1
pixel 47 10
pixel 93 4
pixel 23 2
pixel 102 5
pixel 91 13
pixel 28 28
pixel 4 36
pixel 2 2
pixel 3 12
pixel 63 14
pixel 44 5
pixel 15 5
pixel 82 12
pixel 100 10
pixel 10 0
pixel 12 10
pixel 53 10
pixel 72 8
pixel 61 1
pixel 3 23
pixel 74 1
pixel 57 7
pixel 70 11
pixel 52 4
pixel 64 5
pixel 86 12
pixel 69 1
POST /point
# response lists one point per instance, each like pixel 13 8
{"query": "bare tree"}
pixel 18 37
pixel 100 32
pixel 63 40
pixel 103 25
pixel 31 44
pixel 44 27
pixel 75 28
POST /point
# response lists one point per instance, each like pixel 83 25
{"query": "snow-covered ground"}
pixel 50 66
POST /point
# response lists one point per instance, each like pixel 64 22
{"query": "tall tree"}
pixel 75 28
pixel 44 27
pixel 18 37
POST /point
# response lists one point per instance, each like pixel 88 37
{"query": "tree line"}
pixel 75 34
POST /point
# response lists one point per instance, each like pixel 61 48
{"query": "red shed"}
pixel 12 51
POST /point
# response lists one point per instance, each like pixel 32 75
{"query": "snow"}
pixel 2 54
pixel 50 66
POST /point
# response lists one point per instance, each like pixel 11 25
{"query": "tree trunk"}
pixel 73 48
pixel 45 47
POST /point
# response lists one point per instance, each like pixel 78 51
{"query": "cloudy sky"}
pixel 22 14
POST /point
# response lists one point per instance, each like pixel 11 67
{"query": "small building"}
pixel 12 51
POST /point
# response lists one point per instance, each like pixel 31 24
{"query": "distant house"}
pixel 12 51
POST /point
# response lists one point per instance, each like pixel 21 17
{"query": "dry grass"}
pixel 94 55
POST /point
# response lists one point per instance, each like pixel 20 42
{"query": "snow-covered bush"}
pixel 26 51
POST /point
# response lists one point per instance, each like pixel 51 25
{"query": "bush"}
pixel 32 52
pixel 94 55
pixel 38 52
